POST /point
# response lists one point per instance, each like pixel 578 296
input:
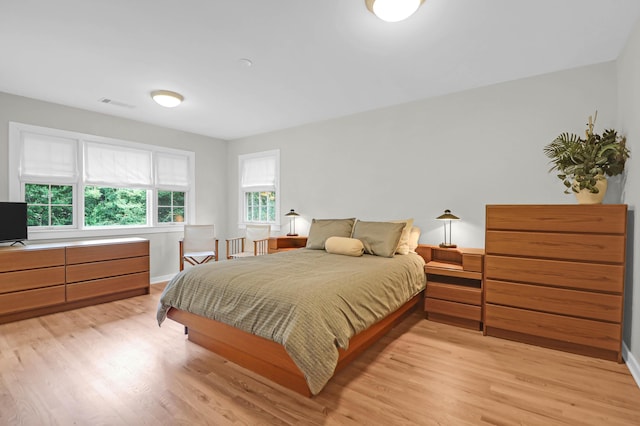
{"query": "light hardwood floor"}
pixel 111 365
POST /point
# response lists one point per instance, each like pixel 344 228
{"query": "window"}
pixel 78 182
pixel 105 206
pixel 49 205
pixel 261 206
pixel 170 206
pixel 259 182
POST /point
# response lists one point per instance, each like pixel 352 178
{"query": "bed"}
pixel 294 317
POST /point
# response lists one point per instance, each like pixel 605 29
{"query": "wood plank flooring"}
pixel 112 365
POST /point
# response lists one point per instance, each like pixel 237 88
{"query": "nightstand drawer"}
pixel 454 309
pixel 455 293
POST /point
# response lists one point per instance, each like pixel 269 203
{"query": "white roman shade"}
pixel 118 166
pixel 50 157
pixel 172 171
pixel 259 173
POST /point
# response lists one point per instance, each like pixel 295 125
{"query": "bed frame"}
pixel 270 359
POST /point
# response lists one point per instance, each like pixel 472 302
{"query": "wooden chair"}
pixel 254 243
pixel 199 245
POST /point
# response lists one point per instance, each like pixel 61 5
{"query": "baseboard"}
pixel 632 363
pixel 162 279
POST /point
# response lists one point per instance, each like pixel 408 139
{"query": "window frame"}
pixel 242 191
pixel 17 185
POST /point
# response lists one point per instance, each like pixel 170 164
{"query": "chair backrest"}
pixel 255 232
pixel 199 238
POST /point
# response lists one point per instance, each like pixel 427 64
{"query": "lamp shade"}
pixel 292 212
pixel 447 216
pixel 167 98
pixel 393 10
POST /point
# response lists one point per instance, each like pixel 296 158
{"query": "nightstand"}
pixel 284 243
pixel 454 286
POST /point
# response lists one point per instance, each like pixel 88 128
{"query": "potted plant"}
pixel 585 163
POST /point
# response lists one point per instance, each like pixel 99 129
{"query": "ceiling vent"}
pixel 115 103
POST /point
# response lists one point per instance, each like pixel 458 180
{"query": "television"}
pixel 13 221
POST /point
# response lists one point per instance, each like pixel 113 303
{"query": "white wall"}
pixel 211 171
pixel 460 152
pixel 629 124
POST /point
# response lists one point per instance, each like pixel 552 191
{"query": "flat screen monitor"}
pixel 13 221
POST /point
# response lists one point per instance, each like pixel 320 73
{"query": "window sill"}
pixel 107 232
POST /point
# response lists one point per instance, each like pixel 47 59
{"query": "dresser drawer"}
pixel 586 276
pixel 601 218
pixel 605 307
pixel 454 293
pixel 106 286
pixel 109 268
pixel 19 259
pixel 454 309
pixel 578 331
pixel 581 247
pixel 101 252
pixel 31 299
pixel 31 279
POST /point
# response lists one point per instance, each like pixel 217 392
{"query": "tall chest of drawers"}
pixel 554 276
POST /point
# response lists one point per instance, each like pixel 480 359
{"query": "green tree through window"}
pixel 170 206
pixel 49 205
pixel 261 206
pixel 114 206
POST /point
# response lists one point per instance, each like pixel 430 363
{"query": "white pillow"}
pixel 414 236
pixel 403 244
pixel 344 245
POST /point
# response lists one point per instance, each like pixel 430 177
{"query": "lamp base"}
pixel 445 245
pixel 292 235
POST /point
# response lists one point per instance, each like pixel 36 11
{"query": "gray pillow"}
pixel 379 238
pixel 321 229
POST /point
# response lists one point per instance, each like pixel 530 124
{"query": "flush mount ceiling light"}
pixel 393 10
pixel 167 98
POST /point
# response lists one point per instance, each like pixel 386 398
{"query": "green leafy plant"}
pixel 581 162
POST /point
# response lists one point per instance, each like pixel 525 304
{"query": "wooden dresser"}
pixel 554 276
pixel 40 279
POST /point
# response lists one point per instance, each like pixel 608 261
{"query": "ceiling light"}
pixel 393 10
pixel 167 98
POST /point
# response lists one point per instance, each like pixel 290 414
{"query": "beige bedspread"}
pixel 310 301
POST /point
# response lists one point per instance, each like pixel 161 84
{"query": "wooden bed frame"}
pixel 270 359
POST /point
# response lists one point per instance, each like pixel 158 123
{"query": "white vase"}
pixel 584 196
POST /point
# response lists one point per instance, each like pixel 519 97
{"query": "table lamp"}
pixel 292 223
pixel 447 216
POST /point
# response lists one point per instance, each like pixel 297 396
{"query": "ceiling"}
pixel 311 60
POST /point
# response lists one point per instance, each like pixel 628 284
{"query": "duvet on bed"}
pixel 310 301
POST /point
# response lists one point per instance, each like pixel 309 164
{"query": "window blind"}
pixel 259 173
pixel 48 156
pixel 118 166
pixel 172 171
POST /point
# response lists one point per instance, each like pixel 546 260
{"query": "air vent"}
pixel 115 103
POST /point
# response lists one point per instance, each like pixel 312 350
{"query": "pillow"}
pixel 403 244
pixel 379 238
pixel 321 229
pixel 343 245
pixel 414 236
